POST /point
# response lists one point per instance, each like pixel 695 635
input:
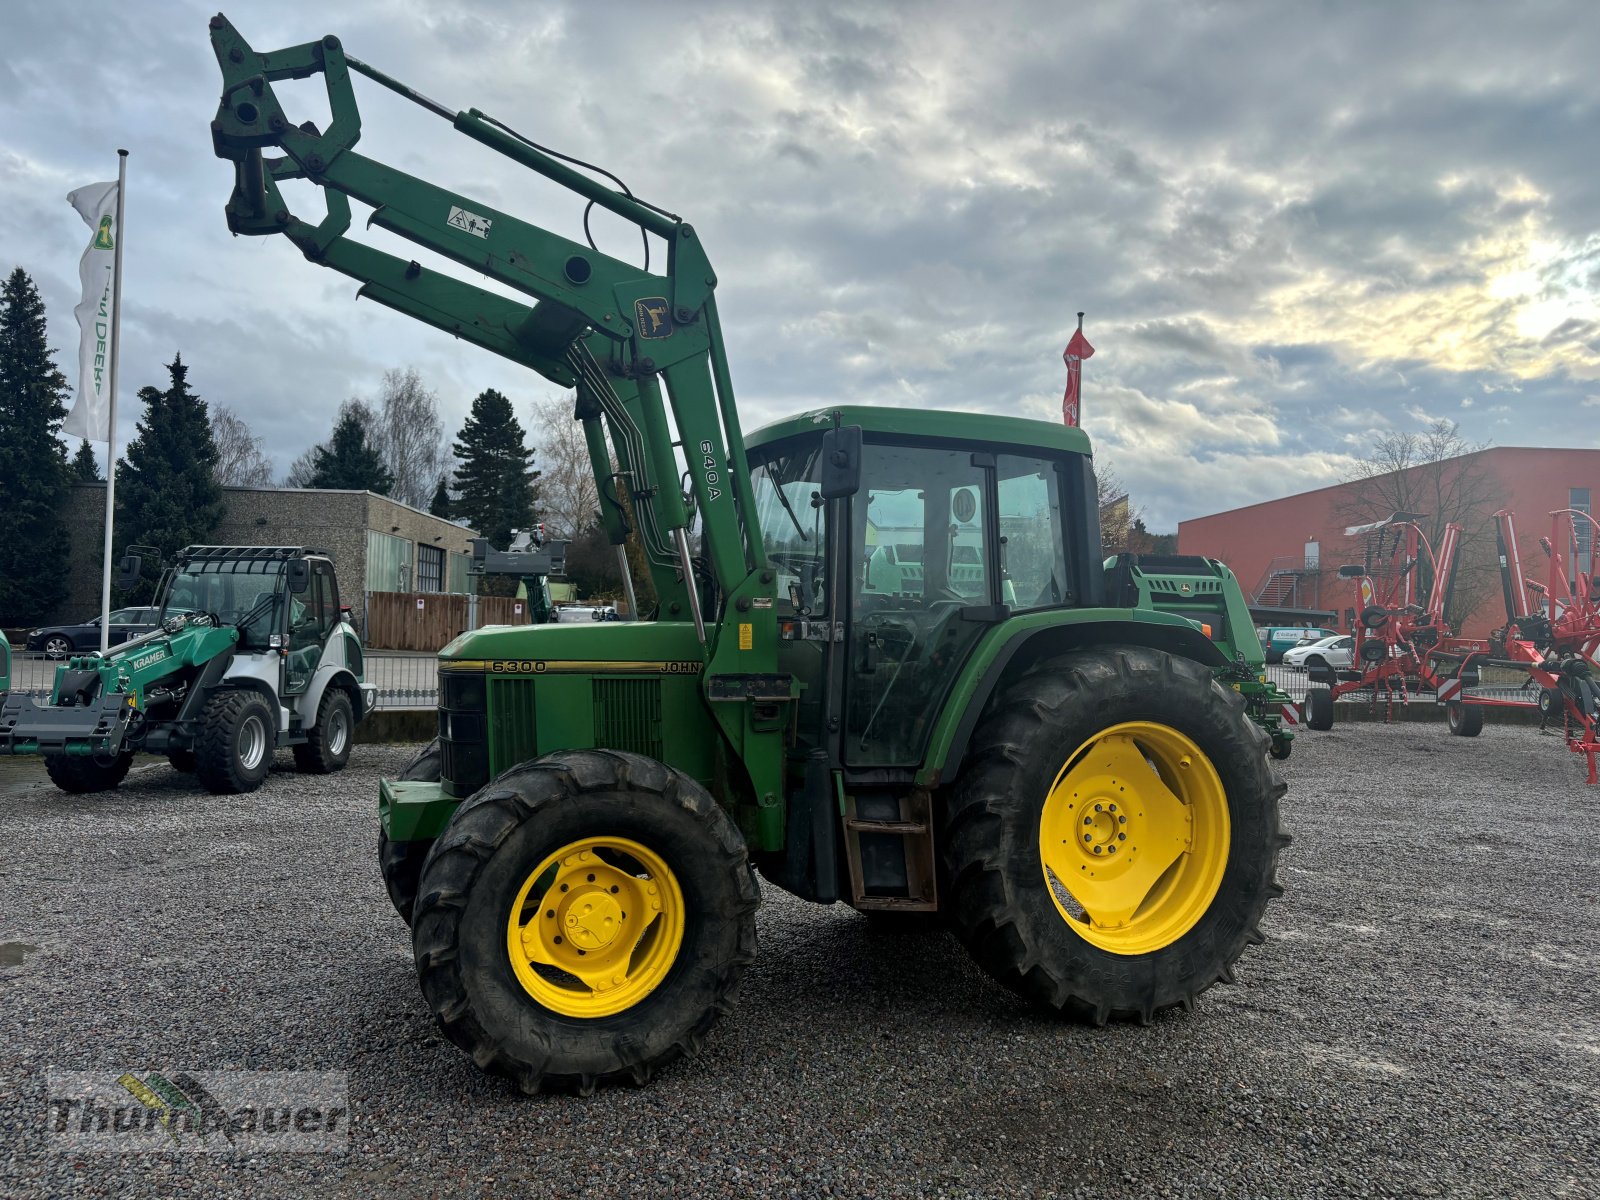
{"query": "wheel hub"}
pixel 592 919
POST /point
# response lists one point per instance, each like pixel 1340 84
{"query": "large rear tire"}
pixel 1319 708
pixel 583 920
pixel 233 752
pixel 181 760
pixel 1112 843
pixel 81 774
pixel 327 745
pixel 400 863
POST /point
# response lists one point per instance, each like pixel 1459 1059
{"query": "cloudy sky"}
pixel 1294 226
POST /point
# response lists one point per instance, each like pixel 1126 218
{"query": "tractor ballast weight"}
pixel 893 671
pixel 251 653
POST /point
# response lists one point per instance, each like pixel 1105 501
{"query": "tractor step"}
pixel 888 845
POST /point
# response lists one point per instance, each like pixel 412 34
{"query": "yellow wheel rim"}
pixel 596 927
pixel 1134 837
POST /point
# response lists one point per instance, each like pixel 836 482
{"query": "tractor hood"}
pixel 665 647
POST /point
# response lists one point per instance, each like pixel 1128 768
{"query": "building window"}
pixel 1582 531
pixel 430 569
pixel 388 562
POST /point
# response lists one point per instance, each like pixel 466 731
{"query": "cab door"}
pixel 313 615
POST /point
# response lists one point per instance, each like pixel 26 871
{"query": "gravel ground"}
pixel 1422 1020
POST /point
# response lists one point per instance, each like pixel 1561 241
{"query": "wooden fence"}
pixel 427 620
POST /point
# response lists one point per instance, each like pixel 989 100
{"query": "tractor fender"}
pixel 1017 654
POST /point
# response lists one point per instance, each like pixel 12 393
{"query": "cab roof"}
pixel 964 427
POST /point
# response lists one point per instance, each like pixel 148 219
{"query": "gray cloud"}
pixel 1294 227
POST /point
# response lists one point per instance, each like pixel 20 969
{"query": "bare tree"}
pixel 240 462
pixel 405 429
pixel 568 500
pixel 1118 517
pixel 301 469
pixel 1440 476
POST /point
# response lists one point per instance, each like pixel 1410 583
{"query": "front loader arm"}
pixel 613 331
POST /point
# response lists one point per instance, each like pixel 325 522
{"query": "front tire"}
pixel 327 745
pixel 57 646
pixel 233 751
pixel 540 870
pixel 1115 751
pixel 81 774
pixel 400 863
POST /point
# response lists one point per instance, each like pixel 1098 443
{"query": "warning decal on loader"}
pixel 468 222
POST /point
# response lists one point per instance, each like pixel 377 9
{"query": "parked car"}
pixel 58 641
pixel 1337 652
pixel 1276 639
pixel 605 612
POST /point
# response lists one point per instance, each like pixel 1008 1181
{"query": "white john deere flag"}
pixel 90 415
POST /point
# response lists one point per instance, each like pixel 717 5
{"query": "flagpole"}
pixel 111 427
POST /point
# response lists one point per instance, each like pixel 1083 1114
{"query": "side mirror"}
pixel 841 463
pixel 1352 571
pixel 128 567
pixel 299 575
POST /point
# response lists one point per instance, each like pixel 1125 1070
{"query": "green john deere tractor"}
pixel 890 669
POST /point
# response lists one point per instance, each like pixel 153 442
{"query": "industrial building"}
pixel 1287 552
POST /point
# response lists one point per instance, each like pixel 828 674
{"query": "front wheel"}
pixel 400 863
pixel 57 646
pixel 233 751
pixel 87 773
pixel 1112 844
pixel 584 919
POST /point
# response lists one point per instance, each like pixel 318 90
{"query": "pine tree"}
pixel 167 490
pixel 349 459
pixel 85 466
pixel 33 462
pixel 494 482
pixel 439 506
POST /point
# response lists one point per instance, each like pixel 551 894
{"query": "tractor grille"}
pixel 512 728
pixel 627 715
pixel 463 734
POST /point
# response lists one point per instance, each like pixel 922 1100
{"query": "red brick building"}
pixel 1286 552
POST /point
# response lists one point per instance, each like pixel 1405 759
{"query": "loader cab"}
pixel 950 531
pixel 286 607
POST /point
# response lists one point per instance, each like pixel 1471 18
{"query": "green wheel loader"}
pixel 888 665
pixel 252 653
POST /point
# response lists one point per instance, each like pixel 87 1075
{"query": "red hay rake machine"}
pixel 1405 650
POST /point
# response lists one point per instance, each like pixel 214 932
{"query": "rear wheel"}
pixel 400 863
pixel 1112 844
pixel 1319 708
pixel 1466 720
pixel 327 745
pixel 87 773
pixel 584 919
pixel 233 751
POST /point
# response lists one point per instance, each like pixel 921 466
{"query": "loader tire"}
pixel 83 773
pixel 400 863
pixel 1466 720
pixel 181 760
pixel 584 852
pixel 1112 842
pixel 233 751
pixel 1319 708
pixel 327 745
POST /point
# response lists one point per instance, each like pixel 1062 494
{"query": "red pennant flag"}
pixel 1077 350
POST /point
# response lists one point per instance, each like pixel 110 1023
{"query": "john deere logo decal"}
pixel 102 236
pixel 650 315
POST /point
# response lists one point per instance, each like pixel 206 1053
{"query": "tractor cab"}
pixel 957 522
